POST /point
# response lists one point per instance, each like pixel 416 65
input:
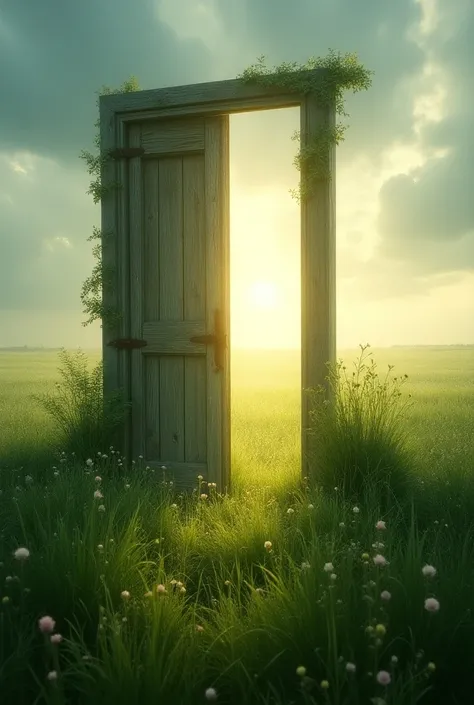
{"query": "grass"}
pixel 239 615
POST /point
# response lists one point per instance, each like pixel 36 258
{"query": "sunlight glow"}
pixel 264 295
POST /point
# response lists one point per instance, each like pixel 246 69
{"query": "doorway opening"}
pixel 137 131
pixel 265 300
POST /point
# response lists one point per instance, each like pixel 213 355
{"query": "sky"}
pixel 405 211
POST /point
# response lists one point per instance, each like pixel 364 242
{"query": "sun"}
pixel 264 294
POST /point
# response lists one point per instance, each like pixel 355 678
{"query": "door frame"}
pixel 318 232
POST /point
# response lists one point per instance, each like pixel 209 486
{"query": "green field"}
pixel 266 407
pixel 251 613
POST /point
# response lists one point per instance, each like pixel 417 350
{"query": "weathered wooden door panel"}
pixel 178 229
pixel 169 125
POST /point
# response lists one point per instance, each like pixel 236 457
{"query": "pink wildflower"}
pixel 380 560
pixel 46 624
pixel 432 604
pixel 383 677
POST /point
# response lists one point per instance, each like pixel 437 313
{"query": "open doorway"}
pixel 165 341
pixel 265 300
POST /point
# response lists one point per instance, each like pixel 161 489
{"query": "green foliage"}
pixel 85 420
pixel 360 441
pixel 313 160
pixel 263 610
pixel 101 276
pixel 336 73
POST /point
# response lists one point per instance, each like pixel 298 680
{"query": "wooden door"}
pixel 178 215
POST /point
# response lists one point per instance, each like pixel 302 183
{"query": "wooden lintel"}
pixel 236 95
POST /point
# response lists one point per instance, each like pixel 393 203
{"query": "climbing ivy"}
pixel 101 276
pixel 339 72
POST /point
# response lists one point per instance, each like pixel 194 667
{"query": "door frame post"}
pixel 318 232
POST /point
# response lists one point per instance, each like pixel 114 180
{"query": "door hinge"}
pixel 218 340
pixel 127 343
pixel 126 152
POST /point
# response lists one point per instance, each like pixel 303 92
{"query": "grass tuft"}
pixel 360 441
pixel 282 593
pixel 85 421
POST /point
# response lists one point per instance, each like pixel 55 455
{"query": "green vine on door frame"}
pixel 340 72
pixel 101 276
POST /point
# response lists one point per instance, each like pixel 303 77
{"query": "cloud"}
pixel 378 31
pixel 381 277
pixel 55 55
pixel 411 228
pixel 438 205
pixel 427 217
pixel 45 219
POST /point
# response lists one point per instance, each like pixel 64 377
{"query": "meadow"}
pixel 329 590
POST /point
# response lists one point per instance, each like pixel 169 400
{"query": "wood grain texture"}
pixel 318 273
pixel 194 306
pixel 195 409
pixel 152 408
pixel 170 272
pixel 172 408
pixel 185 225
pixel 179 136
pixel 194 240
pixel 174 309
pixel 173 337
pixel 123 282
pixel 115 255
pixel 171 239
pixel 171 305
pixel 151 305
pixel 136 246
pixel 108 140
pixel 224 205
pixel 221 107
pixel 236 96
pixel 216 166
pixel 151 235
